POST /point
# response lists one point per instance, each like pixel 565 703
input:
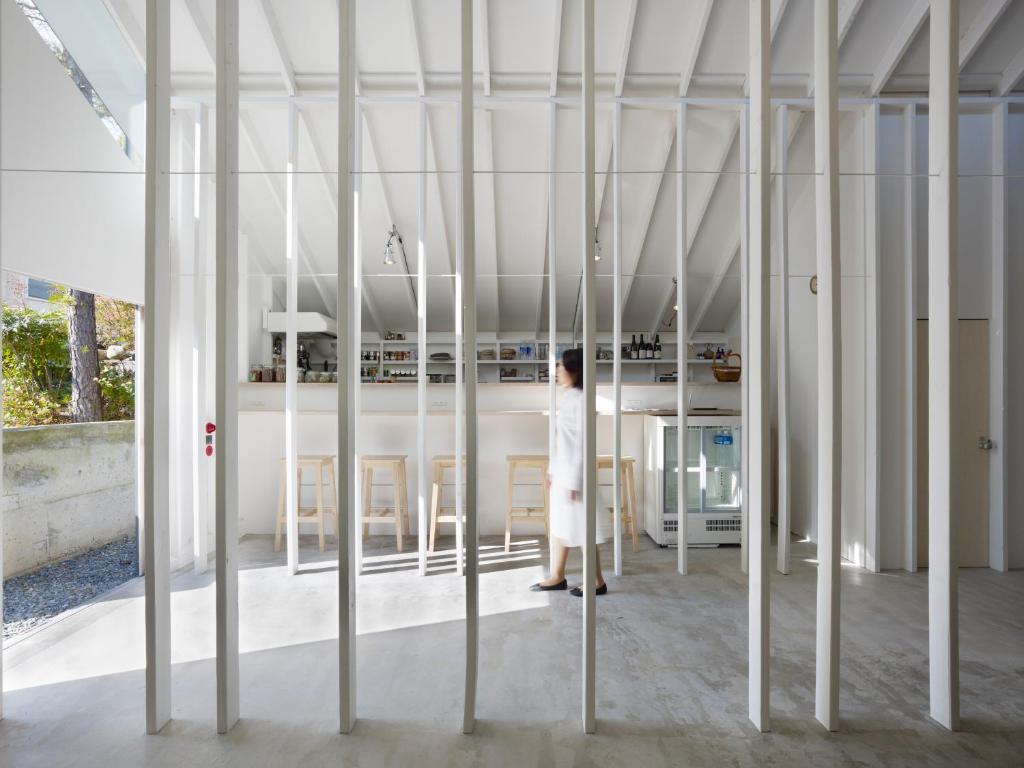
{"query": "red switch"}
pixel 209 450
pixel 210 427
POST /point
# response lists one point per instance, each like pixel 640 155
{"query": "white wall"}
pixel 81 229
pixel 1015 341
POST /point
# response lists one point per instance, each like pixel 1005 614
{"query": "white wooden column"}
pixel 291 343
pixel 226 498
pixel 910 336
pixel 356 333
pixel 943 115
pixel 349 348
pixel 745 337
pixel 758 536
pixel 998 348
pixel 423 482
pixel 1 428
pixel 830 393
pixel 589 374
pixel 873 340
pixel 682 334
pixel 616 181
pixel 156 394
pixel 782 337
pixel 200 373
pixel 466 205
pixel 552 293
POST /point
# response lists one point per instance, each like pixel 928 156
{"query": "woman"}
pixel 568 515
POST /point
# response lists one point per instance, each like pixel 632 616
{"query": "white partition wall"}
pixel 943 314
pixel 156 393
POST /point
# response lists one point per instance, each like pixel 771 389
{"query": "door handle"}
pixel 985 443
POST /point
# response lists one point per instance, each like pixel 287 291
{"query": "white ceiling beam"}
pixel 1011 75
pixel 388 207
pixel 777 13
pixel 248 136
pixel 693 52
pixel 485 43
pixel 905 35
pixel 130 29
pixel 283 60
pixel 975 35
pixel 647 214
pixel 414 39
pixel 205 33
pixel 557 47
pixel 620 74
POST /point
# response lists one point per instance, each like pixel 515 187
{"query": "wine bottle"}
pixel 650 350
pixel 657 346
pixel 643 348
pixel 634 352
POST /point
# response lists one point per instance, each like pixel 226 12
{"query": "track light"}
pixel 597 246
pixel 389 252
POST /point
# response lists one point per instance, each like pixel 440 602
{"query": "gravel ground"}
pixel 36 598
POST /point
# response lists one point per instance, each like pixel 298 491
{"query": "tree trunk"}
pixel 85 363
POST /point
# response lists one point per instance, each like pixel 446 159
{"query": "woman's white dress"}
pixel 568 518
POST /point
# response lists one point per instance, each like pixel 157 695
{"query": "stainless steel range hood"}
pixel 306 323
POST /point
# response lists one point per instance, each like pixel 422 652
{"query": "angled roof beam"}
pixel 485 44
pixel 696 41
pixel 556 6
pixel 248 135
pixel 389 209
pixel 130 29
pixel 777 14
pixel 898 48
pixel 414 38
pixel 205 33
pixel 1011 75
pixel 975 35
pixel 284 62
pixel 649 204
pixel 620 74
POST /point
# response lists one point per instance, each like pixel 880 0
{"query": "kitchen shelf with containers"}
pixel 394 357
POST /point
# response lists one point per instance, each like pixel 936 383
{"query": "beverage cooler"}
pixel 714 483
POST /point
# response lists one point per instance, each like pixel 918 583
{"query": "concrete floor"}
pixel 671 667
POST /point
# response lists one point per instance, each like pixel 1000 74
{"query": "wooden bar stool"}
pixel 516 463
pixel 438 512
pixel 627 486
pixel 398 513
pixel 323 469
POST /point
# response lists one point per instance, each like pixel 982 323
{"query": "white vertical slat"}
pixel 156 394
pixel 782 341
pixel 617 336
pixel 421 343
pixel 589 384
pixel 226 483
pixel 291 342
pixel 140 442
pixel 830 392
pixel 943 116
pixel 682 333
pixel 745 337
pixel 348 371
pixel 200 373
pixel 758 535
pixel 356 333
pixel 998 348
pixel 873 338
pixel 1 412
pixel 910 331
pixel 460 387
pixel 466 187
pixel 552 281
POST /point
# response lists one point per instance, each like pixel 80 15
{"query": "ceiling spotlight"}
pixel 389 252
pixel 597 246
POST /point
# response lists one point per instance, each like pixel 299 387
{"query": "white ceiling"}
pixel 403 42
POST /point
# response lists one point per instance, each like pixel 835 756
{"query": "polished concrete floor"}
pixel 671 666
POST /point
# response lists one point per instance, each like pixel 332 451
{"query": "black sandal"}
pixel 538 587
pixel 578 591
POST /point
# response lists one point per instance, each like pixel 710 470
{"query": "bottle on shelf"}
pixel 642 349
pixel 634 350
pixel 650 349
pixel 657 346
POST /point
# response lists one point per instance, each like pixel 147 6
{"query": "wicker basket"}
pixel 724 372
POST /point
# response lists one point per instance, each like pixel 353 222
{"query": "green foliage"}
pixel 37 362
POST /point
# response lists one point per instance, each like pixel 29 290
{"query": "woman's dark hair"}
pixel 572 361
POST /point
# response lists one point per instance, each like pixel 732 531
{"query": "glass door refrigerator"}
pixel 714 493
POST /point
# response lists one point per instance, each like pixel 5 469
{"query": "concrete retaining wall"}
pixel 67 488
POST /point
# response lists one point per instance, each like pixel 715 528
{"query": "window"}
pixel 39 289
